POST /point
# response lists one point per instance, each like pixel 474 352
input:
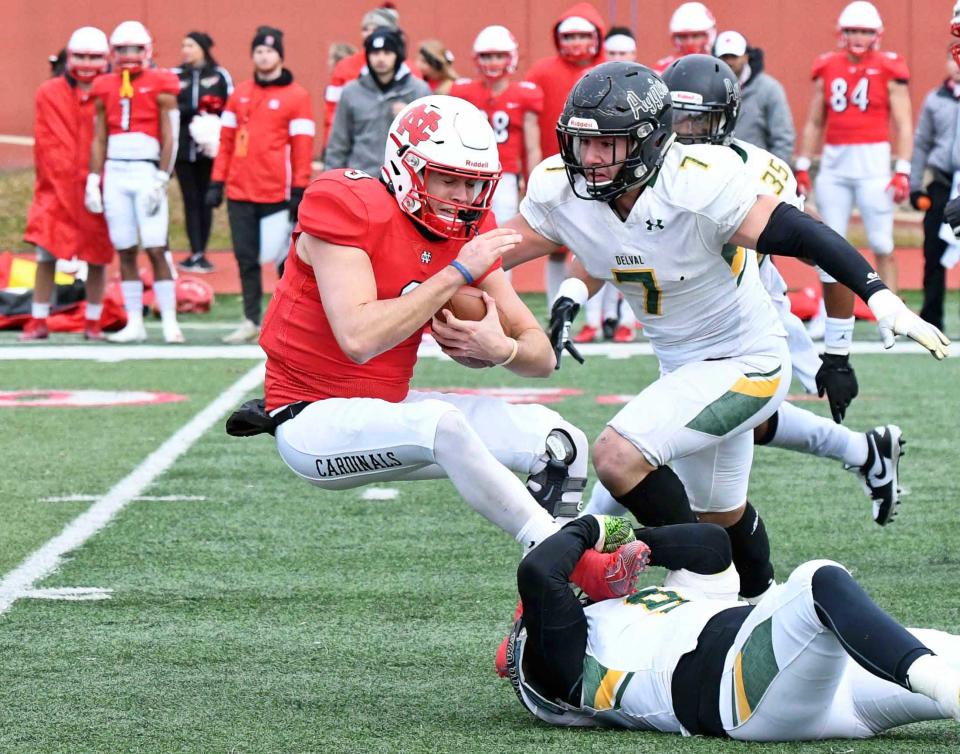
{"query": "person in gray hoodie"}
pixel 765 118
pixel 368 105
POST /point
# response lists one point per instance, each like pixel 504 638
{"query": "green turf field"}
pixel 260 614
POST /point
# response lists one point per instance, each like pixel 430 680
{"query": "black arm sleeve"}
pixel 791 233
pixel 701 548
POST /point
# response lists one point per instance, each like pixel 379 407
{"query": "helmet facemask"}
pixel 628 167
pixel 578 46
pixel 859 47
pixel 495 64
pixel 84 65
pixel 445 217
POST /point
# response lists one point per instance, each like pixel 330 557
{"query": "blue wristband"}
pixel 463 271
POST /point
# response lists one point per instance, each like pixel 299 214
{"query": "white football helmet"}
pixel 693 29
pixel 441 135
pixel 131 34
pixel 91 43
pixel 859 16
pixel 569 38
pixel 494 39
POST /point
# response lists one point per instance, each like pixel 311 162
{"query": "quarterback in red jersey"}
pixel 58 225
pixel 371 261
pixel 693 30
pixel 512 107
pixel 135 148
pixel 857 91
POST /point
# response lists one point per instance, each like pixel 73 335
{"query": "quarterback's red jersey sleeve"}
pixel 532 96
pixel 228 138
pixel 896 66
pixel 333 213
pixel 302 130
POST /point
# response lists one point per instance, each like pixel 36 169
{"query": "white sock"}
pixel 489 487
pixel 592 311
pixel 933 677
pixel 166 298
pixel 602 503
pixel 806 432
pixel 93 312
pixel 133 298
pixel 40 311
pixel 556 273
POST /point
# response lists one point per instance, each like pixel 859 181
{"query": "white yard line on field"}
pixel 139 498
pixel 428 349
pixel 20 581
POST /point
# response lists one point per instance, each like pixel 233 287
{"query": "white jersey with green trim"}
pixel 697 296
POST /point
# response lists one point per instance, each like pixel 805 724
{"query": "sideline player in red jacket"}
pixel 372 260
pixel 857 91
pixel 135 148
pixel 58 224
pixel 511 107
pixel 578 36
pixel 266 142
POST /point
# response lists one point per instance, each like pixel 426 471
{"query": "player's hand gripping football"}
pixel 894 318
pixel 475 344
pixel 482 251
pixel 837 379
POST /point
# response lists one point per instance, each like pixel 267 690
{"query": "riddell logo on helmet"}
pixel 472 164
pixel 587 123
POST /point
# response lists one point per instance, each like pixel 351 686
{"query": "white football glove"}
pixel 92 198
pixel 205 131
pixel 894 318
pixel 157 192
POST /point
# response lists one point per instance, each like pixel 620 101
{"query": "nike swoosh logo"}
pixel 882 475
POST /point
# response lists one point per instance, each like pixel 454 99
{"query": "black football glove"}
pixel 296 196
pixel 837 379
pixel 951 215
pixel 561 316
pixel 214 195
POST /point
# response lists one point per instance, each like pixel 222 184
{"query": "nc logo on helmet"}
pixel 419 124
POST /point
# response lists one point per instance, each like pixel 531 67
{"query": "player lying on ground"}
pixel 372 260
pixel 815 659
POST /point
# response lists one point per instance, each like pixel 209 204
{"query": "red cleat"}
pixel 612 575
pixel 35 329
pixel 92 331
pixel 587 334
pixel 500 662
pixel 623 334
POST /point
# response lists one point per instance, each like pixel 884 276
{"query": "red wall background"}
pixel 791 32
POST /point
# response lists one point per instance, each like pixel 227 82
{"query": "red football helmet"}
pixel 132 47
pixel 693 29
pixel 860 16
pixel 87 53
pixel 442 136
pixel 496 40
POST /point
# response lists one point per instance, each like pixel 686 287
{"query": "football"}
pixel 467 304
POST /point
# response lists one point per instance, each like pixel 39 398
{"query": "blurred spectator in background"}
pixel 204 88
pixel 620 44
pixel 765 117
pixel 58 62
pixel 135 148
pixel 58 224
pixel 934 149
pixel 692 32
pixel 858 92
pixel 337 52
pixel 369 104
pixel 435 63
pixel 348 69
pixel 577 35
pixel 266 144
